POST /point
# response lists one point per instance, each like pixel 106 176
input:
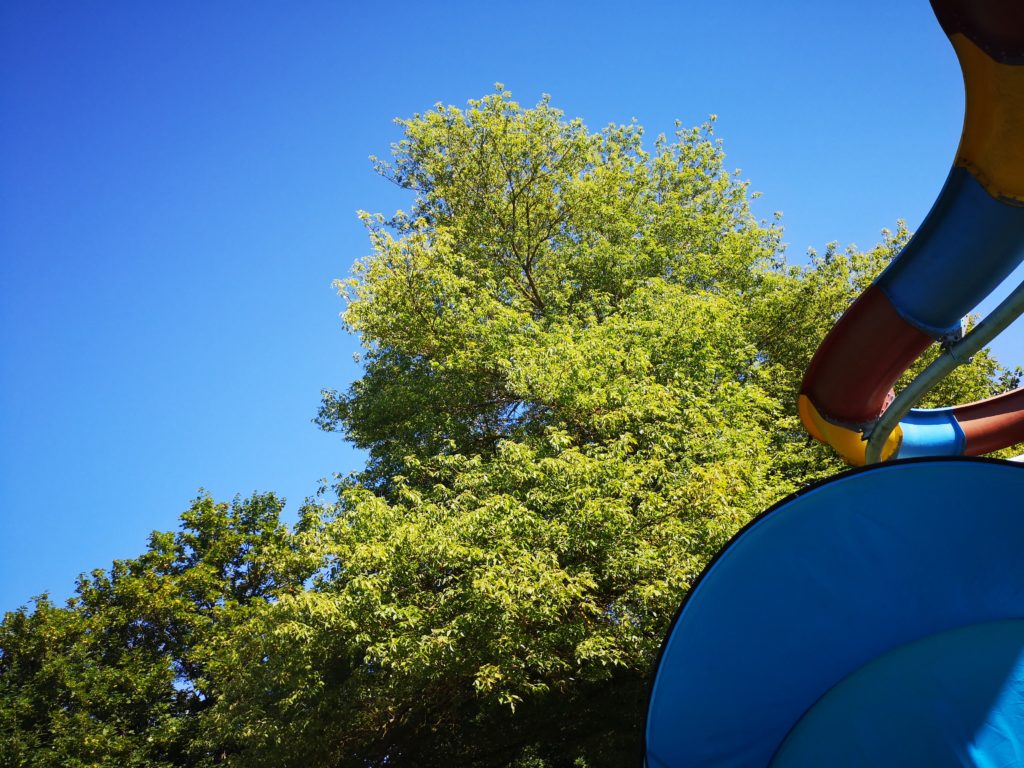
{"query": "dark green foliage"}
pixel 117 676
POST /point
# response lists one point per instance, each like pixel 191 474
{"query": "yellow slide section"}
pixel 848 443
pixel 992 144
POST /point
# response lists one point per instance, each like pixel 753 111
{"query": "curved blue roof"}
pixel 952 699
pixel 824 583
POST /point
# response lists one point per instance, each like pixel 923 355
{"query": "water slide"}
pixel 972 239
pixel 877 618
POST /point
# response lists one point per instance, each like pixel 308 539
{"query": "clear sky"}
pixel 179 181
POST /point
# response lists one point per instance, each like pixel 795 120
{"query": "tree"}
pixel 117 677
pixel 575 391
pixel 581 365
pixel 525 227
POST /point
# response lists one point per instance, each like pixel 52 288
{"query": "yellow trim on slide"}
pixel 992 143
pixel 848 443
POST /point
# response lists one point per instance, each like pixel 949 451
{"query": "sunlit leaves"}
pixel 581 359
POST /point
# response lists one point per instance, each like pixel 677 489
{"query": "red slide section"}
pixel 852 373
pixel 992 424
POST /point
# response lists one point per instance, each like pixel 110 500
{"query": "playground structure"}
pixel 878 618
pixel 970 242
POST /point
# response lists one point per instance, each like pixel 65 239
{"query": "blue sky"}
pixel 179 181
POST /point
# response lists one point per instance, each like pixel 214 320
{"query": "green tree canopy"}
pixel 580 371
pixel 117 676
pixel 525 230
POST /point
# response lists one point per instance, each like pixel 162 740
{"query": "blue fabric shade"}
pixel 951 699
pixel 825 583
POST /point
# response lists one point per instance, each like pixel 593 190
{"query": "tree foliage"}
pixel 580 368
pixel 117 676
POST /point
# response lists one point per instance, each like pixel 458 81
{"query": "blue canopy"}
pixel 904 581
